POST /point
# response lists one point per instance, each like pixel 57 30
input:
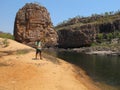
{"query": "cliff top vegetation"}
pixel 107 17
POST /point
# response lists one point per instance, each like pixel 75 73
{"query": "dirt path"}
pixel 19 71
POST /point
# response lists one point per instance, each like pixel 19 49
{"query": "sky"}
pixel 59 10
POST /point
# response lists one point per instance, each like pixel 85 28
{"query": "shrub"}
pixel 6 35
pixel 5 42
pixel 110 36
pixel 100 37
pixel 94 44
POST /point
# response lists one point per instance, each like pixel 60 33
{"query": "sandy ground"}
pixel 20 71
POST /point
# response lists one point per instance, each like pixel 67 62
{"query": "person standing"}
pixel 38 45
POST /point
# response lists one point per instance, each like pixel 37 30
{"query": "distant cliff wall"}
pixel 85 35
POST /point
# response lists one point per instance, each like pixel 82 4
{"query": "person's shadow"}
pixel 35 59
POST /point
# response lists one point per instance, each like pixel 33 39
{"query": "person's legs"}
pixel 40 54
pixel 36 53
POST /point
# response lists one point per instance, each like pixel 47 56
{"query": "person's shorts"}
pixel 38 50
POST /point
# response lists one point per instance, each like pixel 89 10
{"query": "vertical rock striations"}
pixel 85 31
pixel 70 38
pixel 33 22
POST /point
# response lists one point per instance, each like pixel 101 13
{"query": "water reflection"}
pixel 100 68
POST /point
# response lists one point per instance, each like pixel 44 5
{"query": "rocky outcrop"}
pixel 33 22
pixel 78 36
pixel 75 38
pixel 107 25
pixel 86 33
pixel 110 26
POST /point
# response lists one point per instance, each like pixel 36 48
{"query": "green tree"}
pixel 100 37
pixel 110 37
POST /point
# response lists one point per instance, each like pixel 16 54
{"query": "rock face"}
pixel 33 22
pixel 75 38
pixel 88 30
pixel 110 26
pixel 71 38
pixel 85 34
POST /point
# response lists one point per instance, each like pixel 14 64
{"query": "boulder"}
pixel 33 22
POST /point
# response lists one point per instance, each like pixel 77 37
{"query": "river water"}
pixel 101 68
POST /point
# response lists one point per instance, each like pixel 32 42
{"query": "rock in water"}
pixel 33 22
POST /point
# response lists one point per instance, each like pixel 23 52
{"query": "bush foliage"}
pixel 6 35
